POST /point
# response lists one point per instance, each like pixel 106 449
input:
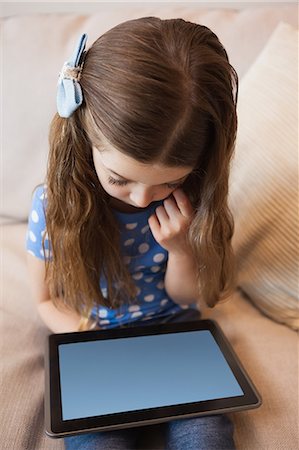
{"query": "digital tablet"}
pixel 127 377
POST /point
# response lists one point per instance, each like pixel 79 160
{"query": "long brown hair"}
pixel 158 91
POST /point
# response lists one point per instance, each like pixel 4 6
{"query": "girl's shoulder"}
pixel 38 203
pixel 39 195
pixel 40 190
pixel 37 222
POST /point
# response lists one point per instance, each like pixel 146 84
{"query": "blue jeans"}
pixel 199 433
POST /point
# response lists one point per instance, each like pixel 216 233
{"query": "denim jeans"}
pixel 213 432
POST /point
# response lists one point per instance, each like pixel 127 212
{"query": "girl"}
pixel 132 225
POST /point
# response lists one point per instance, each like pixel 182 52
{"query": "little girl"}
pixel 132 225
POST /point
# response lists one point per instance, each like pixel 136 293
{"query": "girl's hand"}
pixel 171 221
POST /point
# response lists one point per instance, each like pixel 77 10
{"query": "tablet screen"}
pixel 117 375
pixel 132 376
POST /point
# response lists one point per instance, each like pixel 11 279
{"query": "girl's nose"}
pixel 141 196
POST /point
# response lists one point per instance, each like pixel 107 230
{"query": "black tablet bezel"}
pixel 56 427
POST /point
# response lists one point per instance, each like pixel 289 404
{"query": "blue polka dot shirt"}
pixel 145 258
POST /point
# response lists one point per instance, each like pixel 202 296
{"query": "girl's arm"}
pixel 59 320
pixel 180 279
pixel 169 226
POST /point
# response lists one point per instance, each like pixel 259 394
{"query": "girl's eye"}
pixel 117 182
pixel 173 185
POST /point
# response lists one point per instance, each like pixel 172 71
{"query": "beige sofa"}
pixel 261 318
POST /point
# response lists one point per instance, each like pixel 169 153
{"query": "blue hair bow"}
pixel 69 92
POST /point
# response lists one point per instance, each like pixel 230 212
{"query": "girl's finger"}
pixel 161 214
pixel 171 208
pixel 154 224
pixel 183 203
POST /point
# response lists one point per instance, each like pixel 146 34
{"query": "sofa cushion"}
pixel 269 353
pixel 264 179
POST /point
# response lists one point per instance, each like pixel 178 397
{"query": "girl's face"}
pixel 133 183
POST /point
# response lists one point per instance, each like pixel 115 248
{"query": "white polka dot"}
pixel 104 292
pixel 34 216
pixel 144 229
pixel 119 316
pixel 158 257
pixel 134 308
pixel 129 242
pixel 160 285
pixel 149 298
pixel 104 322
pixel 148 279
pixel 31 253
pixel 164 301
pixel 138 268
pixel 155 269
pixel 137 276
pixel 43 196
pixel 103 313
pixel 143 248
pixel 136 314
pixel 131 226
pixel 32 236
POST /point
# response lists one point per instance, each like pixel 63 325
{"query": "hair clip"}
pixel 69 92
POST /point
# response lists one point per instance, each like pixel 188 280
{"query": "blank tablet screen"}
pixel 126 374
